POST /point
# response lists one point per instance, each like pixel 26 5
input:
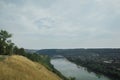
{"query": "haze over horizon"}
pixel 44 24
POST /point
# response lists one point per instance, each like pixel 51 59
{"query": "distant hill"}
pixel 31 50
pixel 20 68
pixel 81 52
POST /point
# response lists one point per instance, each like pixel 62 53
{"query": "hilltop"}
pixel 20 68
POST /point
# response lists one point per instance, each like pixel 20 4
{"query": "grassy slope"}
pixel 20 68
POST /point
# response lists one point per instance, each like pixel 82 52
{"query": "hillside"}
pixel 100 51
pixel 20 68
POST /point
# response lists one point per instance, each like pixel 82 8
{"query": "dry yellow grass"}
pixel 20 68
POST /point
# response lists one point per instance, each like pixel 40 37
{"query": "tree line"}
pixel 97 67
pixel 6 45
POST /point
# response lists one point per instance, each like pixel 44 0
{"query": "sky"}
pixel 47 24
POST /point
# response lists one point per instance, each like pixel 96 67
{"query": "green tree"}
pixel 15 50
pixel 21 51
pixel 4 42
pixel 9 48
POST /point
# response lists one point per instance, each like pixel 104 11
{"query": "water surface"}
pixel 70 69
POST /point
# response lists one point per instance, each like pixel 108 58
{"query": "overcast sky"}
pixel 40 24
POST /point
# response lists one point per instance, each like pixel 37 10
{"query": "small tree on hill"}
pixel 6 46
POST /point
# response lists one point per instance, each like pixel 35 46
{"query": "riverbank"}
pixel 68 69
pixel 98 68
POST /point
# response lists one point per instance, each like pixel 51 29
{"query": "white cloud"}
pixel 81 23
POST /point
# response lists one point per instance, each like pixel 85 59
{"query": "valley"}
pixel 100 61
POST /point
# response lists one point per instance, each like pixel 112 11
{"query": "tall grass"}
pixel 21 68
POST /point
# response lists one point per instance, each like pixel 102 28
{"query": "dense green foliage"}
pixel 98 67
pixel 108 52
pixel 6 46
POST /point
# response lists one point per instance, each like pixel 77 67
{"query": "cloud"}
pixel 62 23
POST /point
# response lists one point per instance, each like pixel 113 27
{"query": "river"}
pixel 70 69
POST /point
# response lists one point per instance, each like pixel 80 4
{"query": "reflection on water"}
pixel 68 69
